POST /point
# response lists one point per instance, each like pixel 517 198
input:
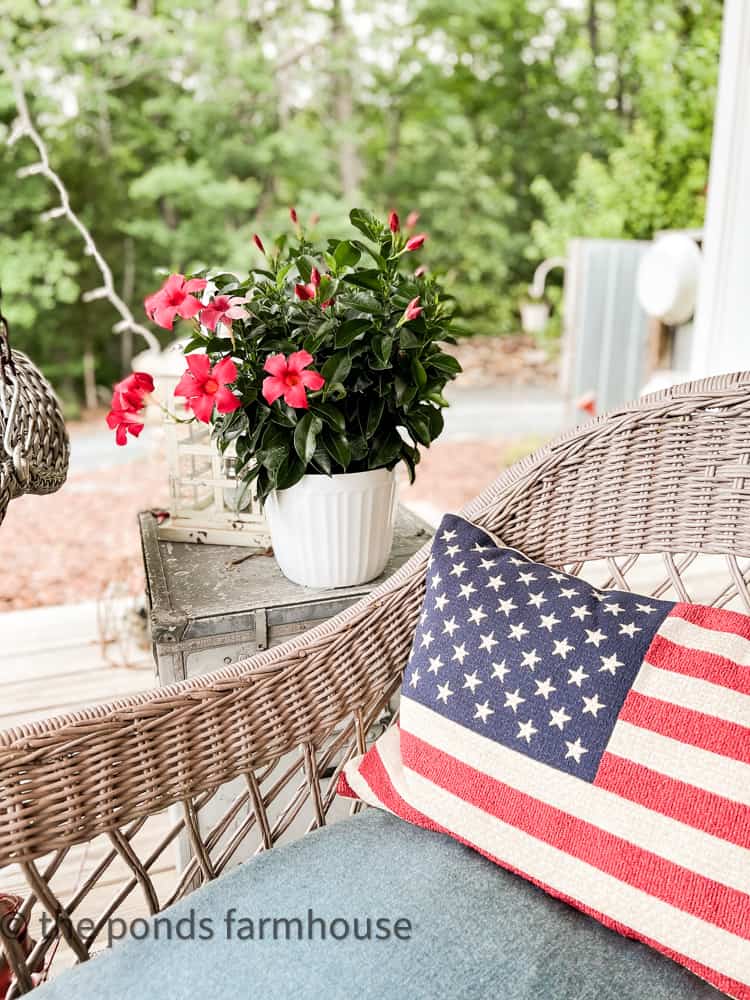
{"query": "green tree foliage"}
pixel 665 57
pixel 181 128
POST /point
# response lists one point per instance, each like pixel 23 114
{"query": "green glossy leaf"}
pixel 436 421
pixel 330 415
pixel 346 254
pixel 365 279
pixel 386 450
pixel 379 260
pixel 444 363
pixel 283 272
pixel 273 455
pixel 290 472
pixel 374 415
pixel 420 375
pixel 197 343
pixel 411 457
pixel 306 436
pixel 438 398
pixel 419 426
pixel 360 448
pixel 382 345
pixel 364 301
pixel 321 460
pixel 336 368
pixel 350 329
pixel 338 448
pixel 367 223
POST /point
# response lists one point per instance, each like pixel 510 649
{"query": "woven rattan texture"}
pixel 39 428
pixel 669 474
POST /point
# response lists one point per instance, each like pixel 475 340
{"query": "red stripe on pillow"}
pixel 678 886
pixel 705 731
pixel 668 655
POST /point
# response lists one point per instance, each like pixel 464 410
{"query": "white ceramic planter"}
pixel 333 531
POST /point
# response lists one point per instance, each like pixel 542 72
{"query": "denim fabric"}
pixel 477 932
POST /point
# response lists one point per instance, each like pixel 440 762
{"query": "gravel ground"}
pixel 80 543
pixel 516 359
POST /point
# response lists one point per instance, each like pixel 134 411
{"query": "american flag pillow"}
pixel 597 743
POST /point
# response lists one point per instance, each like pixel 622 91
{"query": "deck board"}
pixel 53 661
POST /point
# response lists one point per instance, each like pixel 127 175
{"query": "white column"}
pixel 721 338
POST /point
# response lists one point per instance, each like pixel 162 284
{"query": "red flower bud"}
pixel 412 219
pixel 315 276
pixel 413 310
pixel 259 243
pixel 586 403
pixel 415 242
pixel 293 215
pixel 421 271
pixel 393 222
pixel 327 303
pixel 305 292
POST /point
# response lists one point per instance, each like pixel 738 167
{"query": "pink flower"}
pixel 174 299
pixel 393 222
pixel 305 292
pixel 259 243
pixel 130 392
pixel 223 309
pixel 315 277
pixel 412 219
pixel 413 310
pixel 415 242
pixel 151 301
pixel 205 387
pixel 128 399
pixel 293 215
pixel 327 304
pixel 288 378
pixel 123 422
pixel 421 271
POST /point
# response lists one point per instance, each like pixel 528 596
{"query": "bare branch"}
pixel 24 128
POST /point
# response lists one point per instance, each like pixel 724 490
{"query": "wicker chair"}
pixel 663 481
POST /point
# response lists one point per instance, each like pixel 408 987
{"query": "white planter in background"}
pixel 334 531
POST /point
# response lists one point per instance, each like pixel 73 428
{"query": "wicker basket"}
pixel 34 445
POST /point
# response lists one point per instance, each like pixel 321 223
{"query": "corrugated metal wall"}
pixel 605 336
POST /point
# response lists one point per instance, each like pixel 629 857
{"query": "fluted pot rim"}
pixel 332 483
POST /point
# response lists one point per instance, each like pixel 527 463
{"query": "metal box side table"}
pixel 210 605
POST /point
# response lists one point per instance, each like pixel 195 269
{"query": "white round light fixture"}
pixel 668 278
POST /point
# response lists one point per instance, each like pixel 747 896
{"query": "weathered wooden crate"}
pixel 211 605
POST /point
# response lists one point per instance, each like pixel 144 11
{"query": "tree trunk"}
pixel 89 379
pixel 343 104
pixel 592 25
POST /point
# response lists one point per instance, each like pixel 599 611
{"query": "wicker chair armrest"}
pixel 66 779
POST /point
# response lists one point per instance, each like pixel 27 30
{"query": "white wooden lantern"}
pixel 203 488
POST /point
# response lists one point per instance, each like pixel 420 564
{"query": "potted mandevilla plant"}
pixel 324 369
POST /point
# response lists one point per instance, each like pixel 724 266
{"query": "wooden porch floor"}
pixel 53 661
